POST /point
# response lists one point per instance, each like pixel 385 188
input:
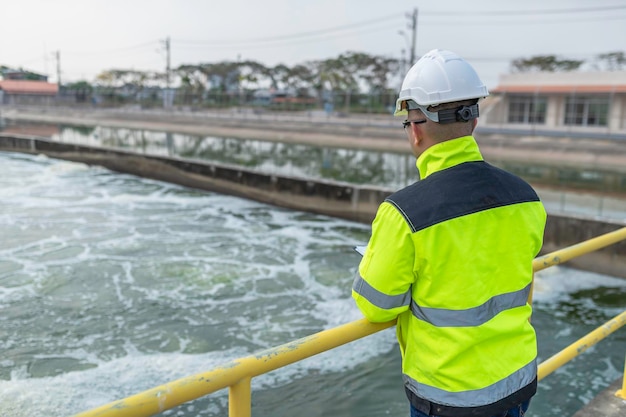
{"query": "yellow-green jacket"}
pixel 451 257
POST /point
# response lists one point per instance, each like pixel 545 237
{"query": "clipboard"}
pixel 360 249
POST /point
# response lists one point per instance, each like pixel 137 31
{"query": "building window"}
pixel 527 109
pixel 587 111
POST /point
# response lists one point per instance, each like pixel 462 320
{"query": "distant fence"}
pixel 381 103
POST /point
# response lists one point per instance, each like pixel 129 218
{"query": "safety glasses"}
pixel 406 123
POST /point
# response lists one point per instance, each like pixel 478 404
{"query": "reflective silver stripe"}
pixel 478 397
pixel 474 316
pixel 379 299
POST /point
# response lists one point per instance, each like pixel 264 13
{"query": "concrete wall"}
pixel 27 99
pixel 563 231
pixel 341 200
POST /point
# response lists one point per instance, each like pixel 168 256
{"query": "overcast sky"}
pixel 95 35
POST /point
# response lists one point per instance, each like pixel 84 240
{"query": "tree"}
pixel 377 74
pixel 280 76
pixel 122 84
pixel 82 90
pixel 346 74
pixel 302 78
pixel 223 76
pixel 254 74
pixel 192 82
pixel 545 63
pixel 612 61
pixel 195 75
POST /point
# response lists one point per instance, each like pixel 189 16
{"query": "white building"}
pixel 559 103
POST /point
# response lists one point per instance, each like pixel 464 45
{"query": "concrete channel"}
pixel 349 201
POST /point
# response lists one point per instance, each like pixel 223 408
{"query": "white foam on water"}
pixel 211 256
pixel 558 282
pixel 73 392
pixel 116 204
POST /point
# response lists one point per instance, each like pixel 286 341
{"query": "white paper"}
pixel 360 249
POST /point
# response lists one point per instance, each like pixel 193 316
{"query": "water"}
pixel 285 159
pixel 112 284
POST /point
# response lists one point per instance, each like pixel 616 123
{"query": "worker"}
pixel 450 257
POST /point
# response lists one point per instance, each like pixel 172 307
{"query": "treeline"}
pixel 612 61
pixel 351 71
pixel 348 73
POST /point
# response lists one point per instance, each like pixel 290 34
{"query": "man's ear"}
pixel 416 136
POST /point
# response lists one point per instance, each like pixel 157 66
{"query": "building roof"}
pixel 563 82
pixel 32 130
pixel 560 89
pixel 29 87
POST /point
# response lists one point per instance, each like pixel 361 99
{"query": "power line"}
pixel 366 27
pixel 576 55
pixel 296 35
pixel 256 44
pixel 290 37
pixel 323 34
pixel 252 43
pixel 526 12
pixel 500 22
pixel 115 50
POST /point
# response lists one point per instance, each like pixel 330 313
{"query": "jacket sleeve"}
pixel 382 286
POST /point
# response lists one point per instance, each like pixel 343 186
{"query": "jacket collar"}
pixel 448 154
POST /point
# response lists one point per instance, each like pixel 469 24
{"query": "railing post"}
pixel 240 398
pixel 622 392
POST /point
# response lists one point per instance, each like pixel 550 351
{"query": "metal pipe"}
pixel 570 252
pixel 172 394
pixel 562 255
pixel 622 392
pixel 240 398
pixel 551 364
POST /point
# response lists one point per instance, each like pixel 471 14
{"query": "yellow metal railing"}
pixel 622 392
pixel 237 374
pixel 551 364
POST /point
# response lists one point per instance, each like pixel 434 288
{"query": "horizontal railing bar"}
pixel 551 364
pixel 172 394
pixel 570 252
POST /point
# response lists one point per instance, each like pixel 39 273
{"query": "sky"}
pixel 92 36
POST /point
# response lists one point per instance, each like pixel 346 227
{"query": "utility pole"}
pixel 413 27
pixel 168 95
pixel 167 65
pixel 58 57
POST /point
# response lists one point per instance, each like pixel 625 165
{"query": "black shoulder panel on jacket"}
pixel 464 189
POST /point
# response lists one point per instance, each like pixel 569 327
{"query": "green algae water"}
pixel 112 284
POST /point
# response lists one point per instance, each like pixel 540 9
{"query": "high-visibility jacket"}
pixel 450 257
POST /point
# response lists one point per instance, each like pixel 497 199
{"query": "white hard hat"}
pixel 439 77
